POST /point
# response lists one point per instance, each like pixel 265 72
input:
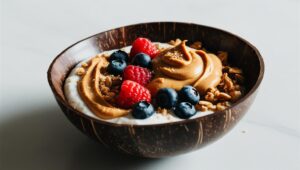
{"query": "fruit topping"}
pixel 131 93
pixel 138 74
pixel 184 110
pixel 166 98
pixel 119 55
pixel 142 110
pixel 116 67
pixel 143 45
pixel 189 94
pixel 142 59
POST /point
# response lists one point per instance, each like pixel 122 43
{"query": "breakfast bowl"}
pixel 166 139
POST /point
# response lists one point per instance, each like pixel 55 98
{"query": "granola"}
pixel 228 91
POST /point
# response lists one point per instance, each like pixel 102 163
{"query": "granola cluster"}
pixel 228 91
pixel 110 87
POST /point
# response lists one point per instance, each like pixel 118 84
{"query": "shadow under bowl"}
pixel 162 139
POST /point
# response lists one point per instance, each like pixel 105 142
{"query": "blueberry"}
pixel 119 55
pixel 189 94
pixel 142 59
pixel 116 67
pixel 185 110
pixel 166 98
pixel 142 110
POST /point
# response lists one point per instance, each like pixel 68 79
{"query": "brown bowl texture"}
pixel 168 139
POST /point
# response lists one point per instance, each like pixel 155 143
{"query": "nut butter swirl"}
pixel 88 88
pixel 181 65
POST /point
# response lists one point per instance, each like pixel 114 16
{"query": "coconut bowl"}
pixel 169 139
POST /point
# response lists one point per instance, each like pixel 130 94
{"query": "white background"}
pixel 36 135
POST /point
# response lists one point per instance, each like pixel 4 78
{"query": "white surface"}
pixel 36 135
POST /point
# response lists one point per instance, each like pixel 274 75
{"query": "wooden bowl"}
pixel 163 139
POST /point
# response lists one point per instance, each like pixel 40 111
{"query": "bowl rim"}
pixel 184 121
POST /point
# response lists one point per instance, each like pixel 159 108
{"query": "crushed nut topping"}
pixel 221 106
pixel 234 70
pixel 108 81
pixel 176 42
pixel 224 96
pixel 80 71
pixel 162 111
pixel 106 55
pixel 196 45
pixel 110 86
pixel 223 56
pixel 174 54
pixel 235 95
pixel 84 65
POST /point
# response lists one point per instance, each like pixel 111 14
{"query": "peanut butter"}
pixel 180 66
pixel 88 88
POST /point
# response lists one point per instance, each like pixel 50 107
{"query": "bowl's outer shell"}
pixel 165 139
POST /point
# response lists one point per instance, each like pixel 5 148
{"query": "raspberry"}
pixel 131 93
pixel 138 74
pixel 143 45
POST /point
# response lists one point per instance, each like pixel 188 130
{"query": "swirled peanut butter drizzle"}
pixel 180 66
pixel 88 88
pixel 177 62
pixel 211 76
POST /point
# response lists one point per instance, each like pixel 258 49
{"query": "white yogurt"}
pixel 74 99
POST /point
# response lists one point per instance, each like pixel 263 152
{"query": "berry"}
pixel 166 98
pixel 116 67
pixel 184 110
pixel 142 59
pixel 142 110
pixel 189 94
pixel 119 55
pixel 143 45
pixel 138 74
pixel 131 93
